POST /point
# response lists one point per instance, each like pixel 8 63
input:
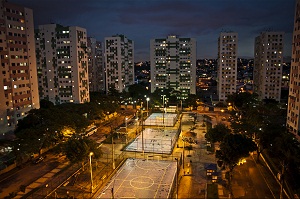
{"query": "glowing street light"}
pixel 126 128
pixel 91 171
pixel 147 105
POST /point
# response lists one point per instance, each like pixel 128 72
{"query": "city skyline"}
pixel 145 20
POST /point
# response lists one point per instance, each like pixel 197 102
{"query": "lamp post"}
pixel 183 153
pixel 91 170
pixel 163 109
pixel 126 129
pixel 136 126
pixel 113 151
pixel 180 106
pixel 147 105
pixel 177 173
pixel 142 130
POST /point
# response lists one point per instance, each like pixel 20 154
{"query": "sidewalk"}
pixel 193 179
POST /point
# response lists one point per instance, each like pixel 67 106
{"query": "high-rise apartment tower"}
pixel 293 118
pixel 268 59
pixel 119 62
pixel 18 77
pixel 173 65
pixel 227 64
pixel 95 66
pixel 62 63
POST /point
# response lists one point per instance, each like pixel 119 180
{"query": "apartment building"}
pixel 18 77
pixel 119 62
pixel 268 60
pixel 227 64
pixel 293 113
pixel 62 63
pixel 173 65
pixel 95 66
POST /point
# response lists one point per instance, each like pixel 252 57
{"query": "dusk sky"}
pixel 142 20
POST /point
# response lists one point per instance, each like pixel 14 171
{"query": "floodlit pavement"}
pixel 140 178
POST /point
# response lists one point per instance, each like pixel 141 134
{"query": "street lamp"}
pixel 180 105
pixel 126 128
pixel 113 151
pixel 183 140
pixel 177 173
pixel 163 109
pixel 147 105
pixel 91 170
pixel 142 120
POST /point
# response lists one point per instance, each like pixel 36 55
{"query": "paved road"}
pixel 11 181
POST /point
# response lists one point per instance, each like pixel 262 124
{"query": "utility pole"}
pixel 142 117
pixel 282 180
pixel 163 109
pixel 113 151
pixel 91 171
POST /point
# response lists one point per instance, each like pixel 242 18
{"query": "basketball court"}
pixel 139 178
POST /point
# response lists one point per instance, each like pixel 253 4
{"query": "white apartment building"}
pixel 268 60
pixel 62 63
pixel 227 64
pixel 173 65
pixel 18 77
pixel 119 62
pixel 95 66
pixel 293 119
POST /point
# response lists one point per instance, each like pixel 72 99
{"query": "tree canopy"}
pixel 217 133
pixel 78 149
pixel 233 148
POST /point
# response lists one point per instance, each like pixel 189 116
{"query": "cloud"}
pixel 143 20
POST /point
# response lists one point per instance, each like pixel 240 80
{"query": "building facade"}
pixel 95 66
pixel 119 62
pixel 173 65
pixel 293 121
pixel 62 63
pixel 268 60
pixel 18 77
pixel 227 64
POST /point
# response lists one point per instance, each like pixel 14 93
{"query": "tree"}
pixel 233 148
pixel 191 101
pixel 46 104
pixel 138 91
pixel 77 150
pixel 286 147
pixel 242 100
pixel 217 133
pixel 266 136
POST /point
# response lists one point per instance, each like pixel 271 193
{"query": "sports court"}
pixel 156 140
pixel 161 119
pixel 139 178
